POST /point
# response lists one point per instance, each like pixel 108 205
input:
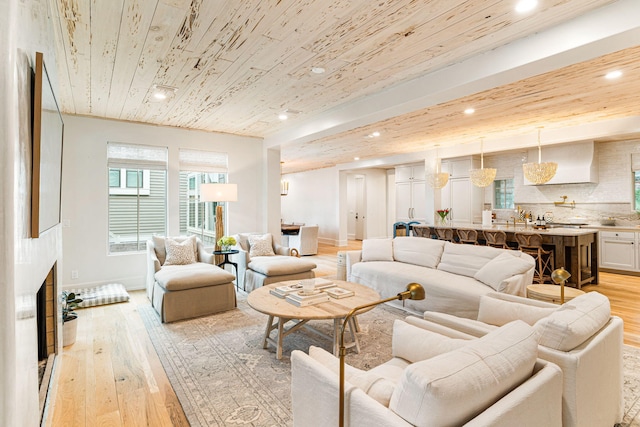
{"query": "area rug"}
pixel 223 377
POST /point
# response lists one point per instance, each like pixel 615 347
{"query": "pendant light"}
pixel 482 177
pixel 438 179
pixel 284 185
pixel 539 173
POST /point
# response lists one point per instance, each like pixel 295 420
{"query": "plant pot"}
pixel 69 330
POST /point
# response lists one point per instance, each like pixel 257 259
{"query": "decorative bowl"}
pixel 607 221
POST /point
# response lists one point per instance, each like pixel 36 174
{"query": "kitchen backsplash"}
pixel 592 213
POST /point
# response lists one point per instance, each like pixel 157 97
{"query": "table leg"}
pixel 354 337
pixel 267 331
pixel 336 337
pixel 281 323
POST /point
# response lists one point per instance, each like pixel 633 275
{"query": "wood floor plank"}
pixel 112 375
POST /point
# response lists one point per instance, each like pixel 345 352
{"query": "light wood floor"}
pixel 112 375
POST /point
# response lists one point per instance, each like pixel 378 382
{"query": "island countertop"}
pixel 575 249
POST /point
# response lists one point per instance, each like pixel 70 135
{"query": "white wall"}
pixel 25 27
pixel 85 192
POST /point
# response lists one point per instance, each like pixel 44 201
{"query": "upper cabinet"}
pixel 409 173
pixel 463 198
pixel 411 191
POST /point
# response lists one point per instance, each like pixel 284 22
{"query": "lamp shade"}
pixel 219 192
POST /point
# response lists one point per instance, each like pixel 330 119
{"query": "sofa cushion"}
pixel 502 267
pixel 197 275
pixel 454 387
pixel 179 253
pixel 499 312
pixel 377 250
pixel 261 245
pixel 415 344
pixel 418 251
pixel 466 260
pixel 574 322
pixel 161 252
pixel 279 265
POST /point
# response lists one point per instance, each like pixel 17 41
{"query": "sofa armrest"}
pixel 460 324
pixel 521 300
pixel 281 250
pixel 352 257
pixel 535 402
pixel 437 328
pixel 517 284
pixel 153 265
pixel 242 259
pixel 314 398
pixel 203 255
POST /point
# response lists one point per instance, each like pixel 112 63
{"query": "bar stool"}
pixel 422 231
pixel 468 236
pixel 532 244
pixel 495 238
pixel 444 234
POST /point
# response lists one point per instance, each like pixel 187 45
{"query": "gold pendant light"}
pixel 284 185
pixel 539 173
pixel 438 179
pixel 482 177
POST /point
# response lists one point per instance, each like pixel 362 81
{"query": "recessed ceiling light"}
pixel 283 116
pixel 469 111
pixel 162 92
pixel 356 158
pixel 318 70
pixel 613 74
pixel 375 134
pixel 526 5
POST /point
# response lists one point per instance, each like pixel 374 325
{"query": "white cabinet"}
pixel 463 198
pixel 411 195
pixel 618 250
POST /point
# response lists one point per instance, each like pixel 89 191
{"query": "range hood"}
pixel 577 162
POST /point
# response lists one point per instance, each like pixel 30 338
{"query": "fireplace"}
pixel 46 309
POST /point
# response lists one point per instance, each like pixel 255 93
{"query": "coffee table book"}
pixel 338 293
pixel 318 283
pixel 283 291
pixel 300 300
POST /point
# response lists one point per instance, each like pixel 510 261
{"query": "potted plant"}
pixel 70 302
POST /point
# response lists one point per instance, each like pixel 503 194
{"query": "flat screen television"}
pixel 46 177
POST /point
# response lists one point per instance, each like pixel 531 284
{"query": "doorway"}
pixel 356 196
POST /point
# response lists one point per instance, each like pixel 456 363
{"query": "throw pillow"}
pixel 499 312
pixel 377 250
pixel 501 268
pixel 418 251
pixel 574 322
pixel 261 245
pixel 179 253
pixel 454 387
pixel 414 344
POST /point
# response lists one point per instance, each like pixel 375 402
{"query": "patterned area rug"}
pixel 223 376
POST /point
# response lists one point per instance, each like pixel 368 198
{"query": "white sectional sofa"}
pixel 454 276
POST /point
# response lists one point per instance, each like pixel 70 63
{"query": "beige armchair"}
pixel 306 241
pixel 433 380
pixel 265 261
pixel 189 285
pixel 581 337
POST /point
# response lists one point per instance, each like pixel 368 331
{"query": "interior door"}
pixel 360 207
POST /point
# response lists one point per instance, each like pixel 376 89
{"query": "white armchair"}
pixel 266 261
pixel 581 337
pixel 306 241
pixel 433 380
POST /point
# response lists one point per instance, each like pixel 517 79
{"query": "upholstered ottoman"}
pixel 263 270
pixel 186 291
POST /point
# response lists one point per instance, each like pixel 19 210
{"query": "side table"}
pixel 227 261
pixel 551 293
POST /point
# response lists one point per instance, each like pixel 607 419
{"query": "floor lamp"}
pixel 414 291
pixel 218 193
pixel 559 277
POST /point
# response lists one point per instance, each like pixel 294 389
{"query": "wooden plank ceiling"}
pixel 237 64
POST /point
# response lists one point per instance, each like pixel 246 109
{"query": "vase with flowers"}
pixel 226 242
pixel 443 213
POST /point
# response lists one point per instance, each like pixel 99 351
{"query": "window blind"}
pixel 203 161
pixel 635 161
pixel 130 156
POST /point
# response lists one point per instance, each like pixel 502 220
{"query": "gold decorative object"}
pixel 284 185
pixel 559 277
pixel 565 204
pixel 539 173
pixel 482 177
pixel 438 179
pixel 413 291
pixel 218 193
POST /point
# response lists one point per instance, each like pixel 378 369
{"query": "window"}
pixel 137 195
pixel 503 194
pixel 199 167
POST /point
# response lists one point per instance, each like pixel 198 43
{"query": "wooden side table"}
pixel 551 293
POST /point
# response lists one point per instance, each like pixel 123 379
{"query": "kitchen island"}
pixel 575 249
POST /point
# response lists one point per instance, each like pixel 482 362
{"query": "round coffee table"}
pixel 551 293
pixel 283 312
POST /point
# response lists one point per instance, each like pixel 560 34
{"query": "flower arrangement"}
pixel 443 215
pixel 226 242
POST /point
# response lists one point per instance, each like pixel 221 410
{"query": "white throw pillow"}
pixel 418 251
pixel 574 322
pixel 180 253
pixel 455 387
pixel 499 312
pixel 466 260
pixel 261 245
pixel 502 267
pixel 415 344
pixel 377 250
